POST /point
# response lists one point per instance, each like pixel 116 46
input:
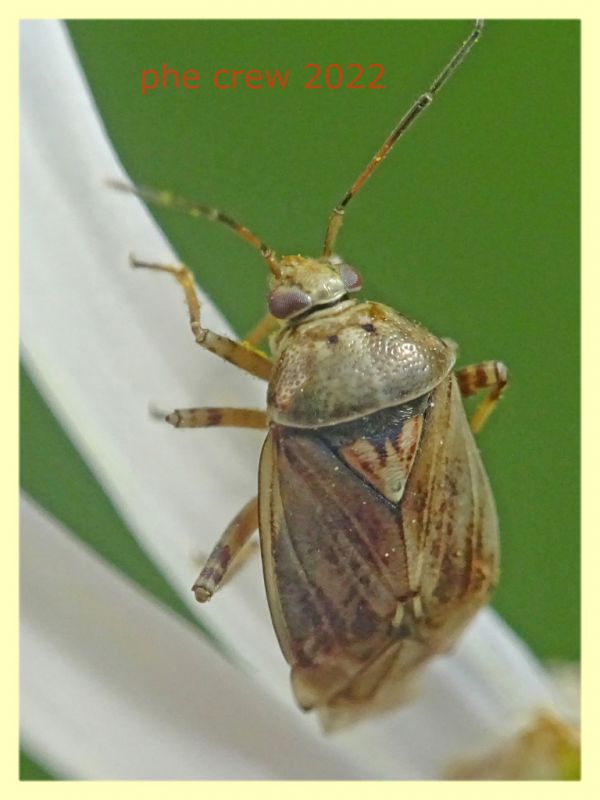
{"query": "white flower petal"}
pixel 102 341
pixel 114 686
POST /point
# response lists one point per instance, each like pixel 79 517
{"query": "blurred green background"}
pixel 471 226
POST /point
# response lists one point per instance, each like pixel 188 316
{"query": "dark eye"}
pixel 351 278
pixel 286 302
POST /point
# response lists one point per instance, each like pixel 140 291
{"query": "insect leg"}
pixel 226 550
pixel 243 356
pixel 261 330
pixel 474 378
pixel 221 417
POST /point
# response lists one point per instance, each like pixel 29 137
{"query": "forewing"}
pixel 451 538
pixel 449 518
pixel 335 564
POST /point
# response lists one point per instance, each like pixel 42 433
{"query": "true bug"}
pixel 378 528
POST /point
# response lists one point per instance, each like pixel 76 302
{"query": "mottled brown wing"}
pixel 450 531
pixel 449 520
pixel 334 563
pixel 367 577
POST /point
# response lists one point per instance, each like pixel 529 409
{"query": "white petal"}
pixel 114 686
pixel 102 341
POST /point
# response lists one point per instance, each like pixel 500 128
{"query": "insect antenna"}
pixel 164 198
pixel 337 215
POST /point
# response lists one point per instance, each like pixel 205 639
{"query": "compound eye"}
pixel 287 302
pixel 351 278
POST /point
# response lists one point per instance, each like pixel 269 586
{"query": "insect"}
pixel 378 529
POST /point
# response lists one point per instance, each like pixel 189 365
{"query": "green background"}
pixel 471 226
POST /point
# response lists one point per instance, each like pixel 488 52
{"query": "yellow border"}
pixel 589 15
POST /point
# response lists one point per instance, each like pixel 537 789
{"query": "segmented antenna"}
pixel 166 199
pixel 337 215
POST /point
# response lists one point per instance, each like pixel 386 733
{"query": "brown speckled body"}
pixel 378 528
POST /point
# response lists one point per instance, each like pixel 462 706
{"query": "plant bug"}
pixel 378 529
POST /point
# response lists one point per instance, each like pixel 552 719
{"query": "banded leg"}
pixel 243 356
pixel 213 417
pixel 227 549
pixel 474 378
